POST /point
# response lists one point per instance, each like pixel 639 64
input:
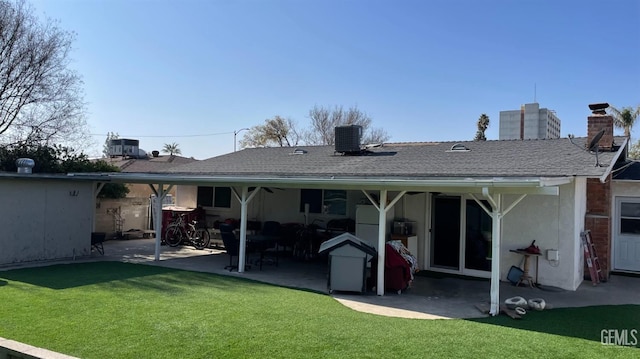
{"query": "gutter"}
pixel 332 182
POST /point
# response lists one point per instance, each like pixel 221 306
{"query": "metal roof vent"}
pixel 347 138
pixel 458 147
pixel 25 165
pixel 299 151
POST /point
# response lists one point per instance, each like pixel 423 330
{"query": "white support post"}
pixel 243 230
pixel 244 198
pixel 160 193
pixel 496 217
pixel 382 236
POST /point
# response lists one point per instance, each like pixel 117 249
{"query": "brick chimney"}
pixel 598 121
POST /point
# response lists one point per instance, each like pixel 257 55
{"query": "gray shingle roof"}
pixel 151 164
pixel 514 158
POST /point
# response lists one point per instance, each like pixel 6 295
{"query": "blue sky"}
pixel 194 71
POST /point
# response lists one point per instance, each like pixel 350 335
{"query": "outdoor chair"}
pixel 232 246
pixel 272 230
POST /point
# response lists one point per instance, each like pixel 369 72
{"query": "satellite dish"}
pixel 593 145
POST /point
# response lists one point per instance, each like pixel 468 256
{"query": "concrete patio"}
pixel 429 298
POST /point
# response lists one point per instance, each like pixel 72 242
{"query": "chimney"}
pixel 597 122
pixel 25 165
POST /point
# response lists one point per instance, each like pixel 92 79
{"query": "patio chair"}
pixel 272 230
pixel 232 246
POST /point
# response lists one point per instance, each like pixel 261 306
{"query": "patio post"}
pixel 382 236
pixel 243 229
pixel 160 194
pixel 244 198
pixel 496 219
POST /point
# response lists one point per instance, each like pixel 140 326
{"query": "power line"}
pixel 160 136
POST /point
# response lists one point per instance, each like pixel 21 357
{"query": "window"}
pixel 324 201
pixel 217 197
pixel 629 218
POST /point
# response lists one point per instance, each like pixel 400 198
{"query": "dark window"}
pixel 313 197
pixel 217 197
pixel 205 196
pixel 324 201
pixel 222 198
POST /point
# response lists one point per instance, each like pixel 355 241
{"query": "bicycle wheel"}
pixel 201 239
pixel 173 236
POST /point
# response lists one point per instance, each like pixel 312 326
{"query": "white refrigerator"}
pixel 367 223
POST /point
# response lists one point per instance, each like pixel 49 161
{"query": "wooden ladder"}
pixel 591 258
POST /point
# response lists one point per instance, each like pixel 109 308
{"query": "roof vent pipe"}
pixel 25 165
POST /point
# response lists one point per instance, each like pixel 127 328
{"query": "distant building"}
pixel 529 122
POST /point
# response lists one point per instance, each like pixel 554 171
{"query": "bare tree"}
pixel 276 131
pixel 41 98
pixel 107 143
pixel 324 121
pixel 483 124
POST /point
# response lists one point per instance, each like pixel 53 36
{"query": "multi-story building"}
pixel 529 122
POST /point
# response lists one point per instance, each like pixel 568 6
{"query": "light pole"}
pixel 235 133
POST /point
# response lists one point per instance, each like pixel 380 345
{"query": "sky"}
pixel 193 72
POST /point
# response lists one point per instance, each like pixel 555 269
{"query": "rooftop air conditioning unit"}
pixel 347 138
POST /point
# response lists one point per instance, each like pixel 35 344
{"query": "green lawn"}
pixel 119 310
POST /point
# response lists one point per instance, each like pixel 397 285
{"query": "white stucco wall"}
pixel 554 222
pixel 42 221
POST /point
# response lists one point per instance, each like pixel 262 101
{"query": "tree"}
pixel 60 159
pixel 324 121
pixel 483 124
pixel 624 118
pixel 634 150
pixel 41 98
pixel 107 142
pixel 276 131
pixel 171 149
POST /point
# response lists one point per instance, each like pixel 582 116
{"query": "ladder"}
pixel 591 258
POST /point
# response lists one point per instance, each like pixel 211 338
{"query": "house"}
pixel 469 203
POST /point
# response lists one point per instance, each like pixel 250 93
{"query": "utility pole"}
pixel 235 133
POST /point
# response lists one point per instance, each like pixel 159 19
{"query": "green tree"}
pixel 60 159
pixel 624 118
pixel 483 124
pixel 634 150
pixel 171 149
pixel 41 98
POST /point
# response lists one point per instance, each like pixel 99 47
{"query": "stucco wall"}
pixel 44 220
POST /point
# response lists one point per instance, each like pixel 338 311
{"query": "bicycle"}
pixel 179 231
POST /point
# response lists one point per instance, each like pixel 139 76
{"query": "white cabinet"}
pixel 367 223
